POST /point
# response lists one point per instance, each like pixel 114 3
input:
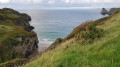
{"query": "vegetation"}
pixel 90 33
pixel 15 63
pixel 103 51
pixel 10 29
pixel 55 44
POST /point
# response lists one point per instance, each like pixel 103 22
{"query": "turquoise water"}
pixel 52 24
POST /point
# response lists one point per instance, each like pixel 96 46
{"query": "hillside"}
pixel 16 37
pixel 92 44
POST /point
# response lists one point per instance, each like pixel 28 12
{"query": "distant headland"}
pixel 111 11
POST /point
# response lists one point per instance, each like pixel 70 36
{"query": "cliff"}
pixel 110 12
pixel 113 10
pixel 27 46
pixel 91 44
pixel 17 38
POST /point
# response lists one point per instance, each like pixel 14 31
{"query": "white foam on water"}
pixel 45 41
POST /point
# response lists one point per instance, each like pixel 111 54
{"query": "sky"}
pixel 58 4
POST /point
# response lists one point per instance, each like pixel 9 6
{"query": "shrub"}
pixel 78 29
pixel 53 45
pixel 91 33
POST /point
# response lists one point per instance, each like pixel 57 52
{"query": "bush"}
pixel 53 45
pixel 78 29
pixel 91 33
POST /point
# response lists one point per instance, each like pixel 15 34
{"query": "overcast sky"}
pixel 40 4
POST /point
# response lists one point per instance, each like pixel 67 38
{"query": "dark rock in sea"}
pixel 104 11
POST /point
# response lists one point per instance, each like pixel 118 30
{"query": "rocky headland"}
pixel 17 38
pixel 110 12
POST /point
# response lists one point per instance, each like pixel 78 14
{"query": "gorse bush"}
pixel 76 30
pixel 53 45
pixel 90 33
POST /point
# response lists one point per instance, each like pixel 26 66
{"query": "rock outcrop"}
pixel 27 46
pixel 104 11
pixel 17 38
pixel 110 12
pixel 113 10
pixel 26 17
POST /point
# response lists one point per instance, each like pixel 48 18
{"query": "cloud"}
pixel 91 1
pixel 37 1
pixel 51 1
pixel 67 1
pixel 4 1
pixel 60 1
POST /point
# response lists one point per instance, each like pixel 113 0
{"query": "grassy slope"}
pixel 8 29
pixel 103 52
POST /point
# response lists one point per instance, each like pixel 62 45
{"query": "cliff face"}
pixel 17 38
pixel 27 46
pixel 26 17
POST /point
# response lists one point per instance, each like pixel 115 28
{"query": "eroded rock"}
pixel 104 11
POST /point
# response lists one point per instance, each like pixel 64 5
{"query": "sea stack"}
pixel 104 11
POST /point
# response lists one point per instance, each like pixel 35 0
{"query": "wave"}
pixel 46 41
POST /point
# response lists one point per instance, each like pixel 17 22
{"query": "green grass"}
pixel 6 28
pixel 103 52
pixel 14 62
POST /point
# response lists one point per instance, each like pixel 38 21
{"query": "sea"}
pixel 52 24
